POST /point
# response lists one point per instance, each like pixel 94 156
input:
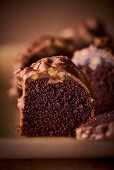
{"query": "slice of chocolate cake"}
pixel 98 128
pixel 98 65
pixel 83 33
pixel 55 99
pixel 45 46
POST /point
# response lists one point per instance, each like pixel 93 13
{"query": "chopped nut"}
pixel 36 66
pixel 42 67
pixel 61 74
pixel 52 71
pixel 34 76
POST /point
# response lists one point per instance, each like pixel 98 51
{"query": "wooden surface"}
pixel 75 164
pixel 53 148
pixel 14 146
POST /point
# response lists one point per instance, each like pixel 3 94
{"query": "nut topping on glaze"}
pixel 47 66
pixel 52 71
pixel 93 57
pixel 34 76
pixel 100 132
pixel 97 128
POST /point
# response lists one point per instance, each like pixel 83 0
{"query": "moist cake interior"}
pixel 104 118
pixel 54 109
pixel 103 83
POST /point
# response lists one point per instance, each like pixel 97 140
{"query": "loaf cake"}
pixel 56 98
pixel 83 33
pixel 98 65
pixel 98 128
pixel 44 46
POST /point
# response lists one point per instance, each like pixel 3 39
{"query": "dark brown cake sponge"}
pixel 97 128
pixel 83 33
pixel 45 46
pixel 98 65
pixel 55 99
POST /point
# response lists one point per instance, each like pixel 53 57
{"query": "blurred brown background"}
pixel 23 20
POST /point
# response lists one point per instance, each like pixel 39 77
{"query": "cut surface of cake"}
pixel 56 98
pixel 44 46
pixel 98 65
pixel 97 128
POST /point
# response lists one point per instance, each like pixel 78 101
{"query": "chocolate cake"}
pixel 56 98
pixel 98 128
pixel 45 46
pixel 83 33
pixel 98 65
